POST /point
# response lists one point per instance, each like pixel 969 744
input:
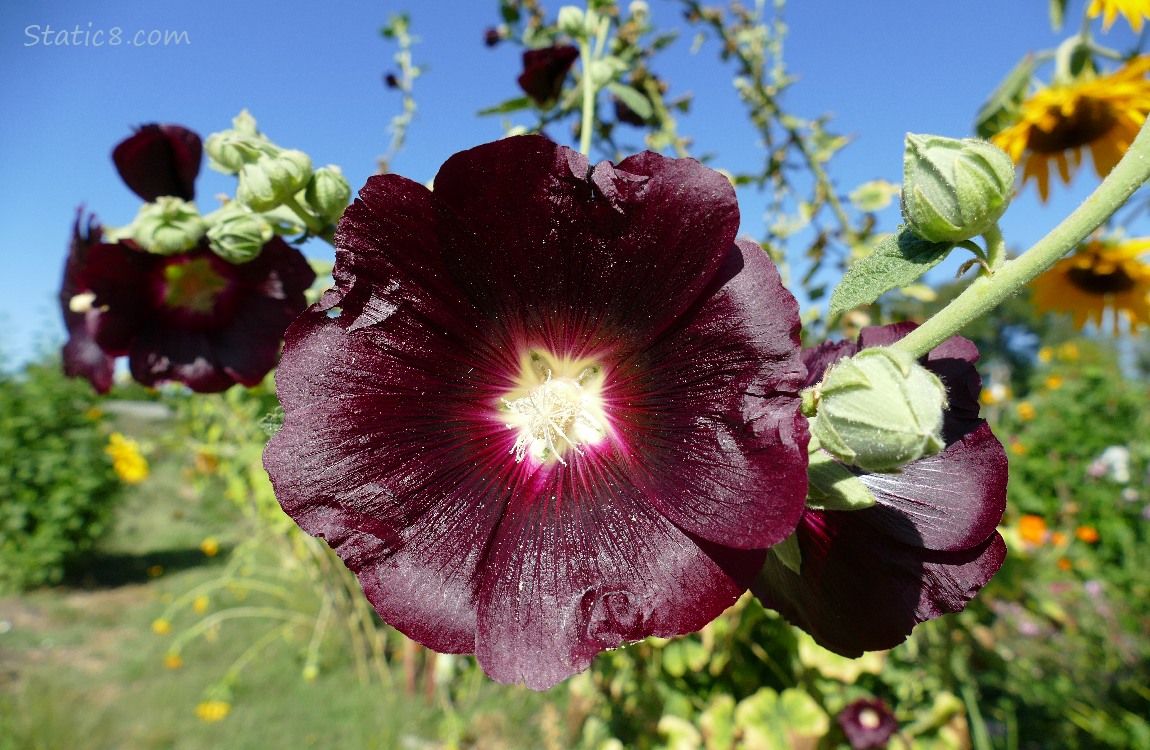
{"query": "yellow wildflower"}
pixel 200 604
pixel 1068 352
pixel 212 711
pixel 210 547
pixel 1054 382
pixel 1045 354
pixel 161 626
pixel 1026 411
pixel 173 661
pixel 129 464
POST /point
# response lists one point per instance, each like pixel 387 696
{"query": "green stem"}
pixel 995 248
pixel 987 292
pixel 314 225
pixel 588 99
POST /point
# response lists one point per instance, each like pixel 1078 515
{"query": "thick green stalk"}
pixel 987 292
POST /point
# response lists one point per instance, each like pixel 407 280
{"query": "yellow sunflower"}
pixel 1103 113
pixel 1134 10
pixel 1099 276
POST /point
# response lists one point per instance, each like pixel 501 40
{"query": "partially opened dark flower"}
pixel 867 577
pixel 160 160
pixel 544 71
pixel 82 356
pixel 867 723
pixel 190 317
pixel 548 408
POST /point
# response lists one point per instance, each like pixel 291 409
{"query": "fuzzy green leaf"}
pixel 897 260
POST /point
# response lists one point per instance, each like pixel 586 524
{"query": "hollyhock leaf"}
pixel 482 410
pixel 898 260
pixel 160 160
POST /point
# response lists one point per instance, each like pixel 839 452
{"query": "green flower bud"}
pixel 236 234
pixel 328 193
pixel 954 190
pixel 270 180
pixel 230 150
pixel 168 226
pixel 879 410
pixel 571 21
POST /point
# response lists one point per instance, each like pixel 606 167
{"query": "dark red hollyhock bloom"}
pixel 868 724
pixel 192 317
pixel 926 547
pixel 544 71
pixel 82 356
pixel 160 160
pixel 492 37
pixel 537 412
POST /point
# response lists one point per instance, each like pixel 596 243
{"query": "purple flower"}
pixel 191 317
pixel 867 577
pixel 160 160
pixel 544 71
pixel 867 723
pixel 538 411
pixel 82 356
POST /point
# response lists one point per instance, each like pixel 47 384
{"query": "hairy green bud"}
pixel 328 193
pixel 168 226
pixel 954 190
pixel 880 410
pixel 571 21
pixel 270 180
pixel 236 234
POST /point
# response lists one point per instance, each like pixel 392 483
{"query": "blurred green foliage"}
pixel 57 485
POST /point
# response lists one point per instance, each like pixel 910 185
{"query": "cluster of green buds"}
pixel 954 190
pixel 167 227
pixel 271 176
pixel 877 410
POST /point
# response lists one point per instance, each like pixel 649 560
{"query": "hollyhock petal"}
pixel 162 354
pixel 590 566
pixel 928 544
pixel 544 71
pixel 519 454
pixel 408 513
pixel 950 501
pixel 160 160
pixel 861 591
pixel 737 346
pixel 628 247
pixel 81 355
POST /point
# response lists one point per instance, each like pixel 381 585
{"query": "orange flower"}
pixel 1087 534
pixel 1064 564
pixel 173 661
pixel 1032 529
pixel 1058 539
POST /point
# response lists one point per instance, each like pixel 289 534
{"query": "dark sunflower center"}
pixel 1090 120
pixel 1091 281
pixel 193 286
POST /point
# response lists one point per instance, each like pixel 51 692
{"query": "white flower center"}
pixel 869 718
pixel 553 411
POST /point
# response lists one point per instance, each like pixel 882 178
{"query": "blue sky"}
pixel 311 74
